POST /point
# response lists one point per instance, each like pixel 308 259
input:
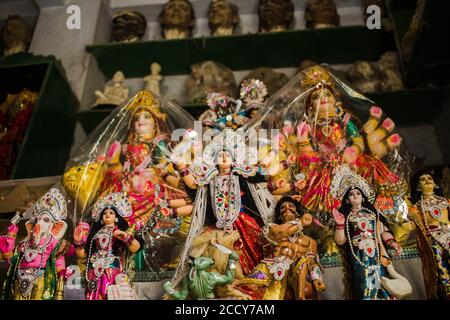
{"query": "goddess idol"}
pixel 106 244
pixel 128 154
pixel 229 197
pixel 329 136
pixel 364 231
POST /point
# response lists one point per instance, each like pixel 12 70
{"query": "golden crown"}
pixel 145 100
pixel 315 75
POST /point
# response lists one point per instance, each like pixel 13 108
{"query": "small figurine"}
pixel 177 19
pixel 430 214
pixel 223 17
pixel 37 268
pixel 275 15
pixel 200 283
pixel 362 227
pixel 128 26
pixel 364 77
pixel 15 35
pixel 115 92
pixel 273 81
pixel 390 77
pixel 321 14
pixel 106 244
pixel 209 76
pixel 153 79
pixel 293 269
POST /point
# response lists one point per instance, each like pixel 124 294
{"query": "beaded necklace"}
pixel 92 284
pixel 377 250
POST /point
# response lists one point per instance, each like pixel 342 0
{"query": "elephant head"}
pixel 48 218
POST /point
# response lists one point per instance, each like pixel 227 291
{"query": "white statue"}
pixel 153 79
pixel 115 91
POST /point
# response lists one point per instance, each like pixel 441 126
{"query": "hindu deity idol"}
pixel 292 270
pixel 229 196
pixel 430 214
pixel 141 174
pixel 329 136
pixel 37 267
pixel 364 232
pixel 108 239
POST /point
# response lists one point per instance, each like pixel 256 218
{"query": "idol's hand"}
pixel 338 217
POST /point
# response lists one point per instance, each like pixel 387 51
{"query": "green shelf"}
pixel 241 52
pixel 405 107
pixel 49 135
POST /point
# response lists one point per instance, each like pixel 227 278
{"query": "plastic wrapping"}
pixel 129 152
pixel 319 123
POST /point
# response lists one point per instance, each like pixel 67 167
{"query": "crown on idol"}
pixel 114 200
pixel 145 100
pixel 345 179
pixel 52 202
pixel 314 76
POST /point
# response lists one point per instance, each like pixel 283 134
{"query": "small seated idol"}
pixel 177 19
pixel 115 92
pixel 293 270
pixel 223 17
pixel 430 214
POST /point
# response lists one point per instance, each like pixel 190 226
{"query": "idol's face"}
pixel 224 159
pixel 426 183
pixel 109 217
pixel 288 211
pixel 355 197
pixel 144 123
pixel 323 102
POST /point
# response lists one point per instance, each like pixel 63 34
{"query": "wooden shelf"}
pixel 405 107
pixel 48 139
pixel 241 52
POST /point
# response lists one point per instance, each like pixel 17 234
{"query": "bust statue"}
pixel 15 35
pixel 223 17
pixel 275 15
pixel 128 26
pixel 321 14
pixel 177 19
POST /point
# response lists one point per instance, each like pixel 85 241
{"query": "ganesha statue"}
pixel 37 267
